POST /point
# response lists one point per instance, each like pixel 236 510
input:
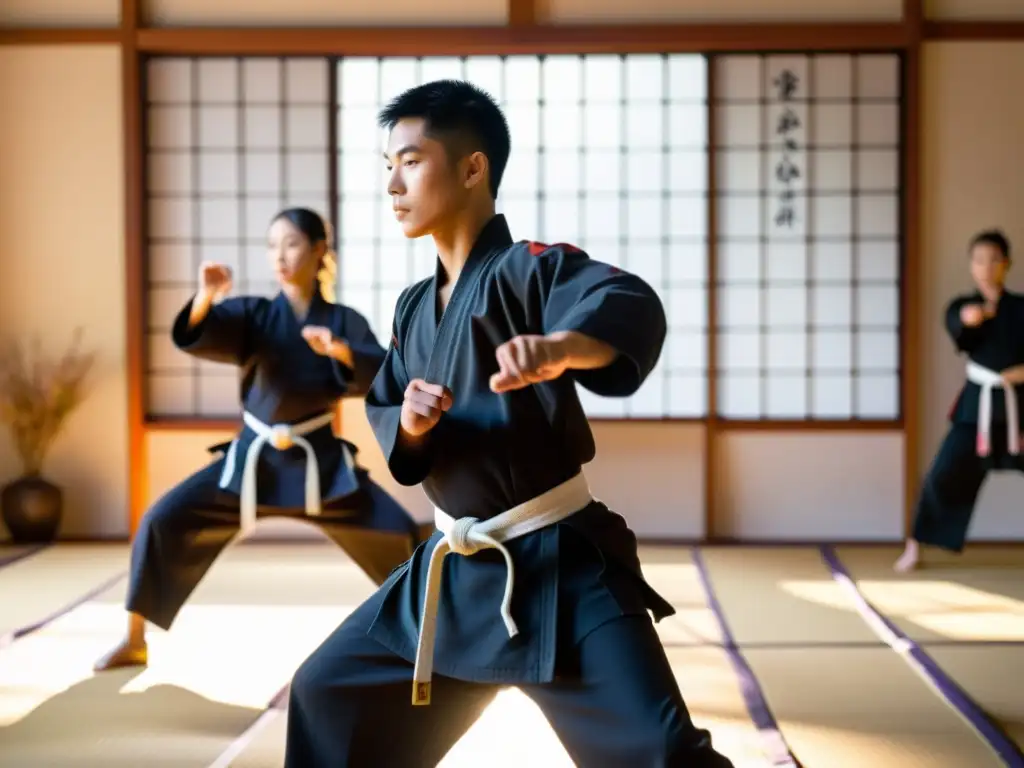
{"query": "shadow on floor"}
pixel 93 725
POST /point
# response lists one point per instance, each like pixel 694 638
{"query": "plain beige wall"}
pixel 61 212
pixel 62 236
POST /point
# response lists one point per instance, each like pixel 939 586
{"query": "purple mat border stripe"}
pixel 17 557
pixel 16 634
pixel 843 644
pixel 777 748
pixel 892 636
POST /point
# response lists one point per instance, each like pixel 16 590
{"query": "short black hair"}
pixel 992 237
pixel 456 111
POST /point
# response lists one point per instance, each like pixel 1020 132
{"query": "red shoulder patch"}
pixel 536 249
pixel 394 341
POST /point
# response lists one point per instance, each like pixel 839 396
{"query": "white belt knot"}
pixel 460 538
pixel 989 380
pixel 281 437
pixel 468 536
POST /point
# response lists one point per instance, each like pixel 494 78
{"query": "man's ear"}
pixel 475 169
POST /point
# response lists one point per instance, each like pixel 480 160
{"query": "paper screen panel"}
pixel 809 237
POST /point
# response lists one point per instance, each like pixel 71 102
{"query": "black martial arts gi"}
pixel 586 652
pixel 283 382
pixel 969 451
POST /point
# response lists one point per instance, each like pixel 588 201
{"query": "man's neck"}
pixel 455 242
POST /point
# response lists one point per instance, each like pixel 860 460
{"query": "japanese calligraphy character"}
pixel 785 217
pixel 786 170
pixel 786 82
pixel 788 121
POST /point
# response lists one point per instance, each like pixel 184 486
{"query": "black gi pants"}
pixel 184 532
pixel 951 487
pixel 614 704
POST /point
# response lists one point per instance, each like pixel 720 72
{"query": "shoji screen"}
pixel 808 241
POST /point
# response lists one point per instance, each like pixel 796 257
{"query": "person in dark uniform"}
pixel 987 326
pixel 542 586
pixel 299 354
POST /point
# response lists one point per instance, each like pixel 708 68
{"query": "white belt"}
pixel 467 536
pixel 281 437
pixel 988 380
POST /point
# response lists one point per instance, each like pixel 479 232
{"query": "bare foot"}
pixel 127 654
pixel 910 559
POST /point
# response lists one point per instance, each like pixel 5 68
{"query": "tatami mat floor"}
pixel 774 652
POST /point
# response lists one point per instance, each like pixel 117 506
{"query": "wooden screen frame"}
pixel 525 33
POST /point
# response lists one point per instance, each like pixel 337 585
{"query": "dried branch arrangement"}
pixel 38 394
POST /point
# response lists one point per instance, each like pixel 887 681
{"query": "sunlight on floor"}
pixel 825 592
pixel 955 611
pixel 511 732
pixel 238 655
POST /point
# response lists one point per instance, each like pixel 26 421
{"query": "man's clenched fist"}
pixel 423 405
